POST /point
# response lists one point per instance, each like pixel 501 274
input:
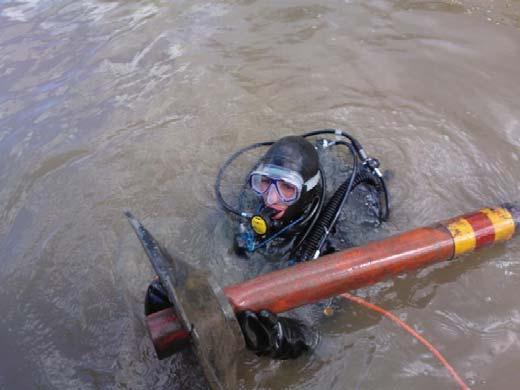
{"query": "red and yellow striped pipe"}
pixel 484 227
pixel 339 272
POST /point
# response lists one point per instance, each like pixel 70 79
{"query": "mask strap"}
pixel 312 182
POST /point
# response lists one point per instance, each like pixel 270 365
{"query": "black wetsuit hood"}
pixel 299 155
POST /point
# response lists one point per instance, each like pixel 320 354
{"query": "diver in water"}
pixel 288 186
pixel 288 210
pixel 288 213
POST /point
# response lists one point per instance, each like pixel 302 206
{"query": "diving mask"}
pixel 288 183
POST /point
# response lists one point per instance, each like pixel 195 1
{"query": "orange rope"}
pixel 410 330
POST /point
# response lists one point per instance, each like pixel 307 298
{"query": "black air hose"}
pixel 323 225
pixel 220 199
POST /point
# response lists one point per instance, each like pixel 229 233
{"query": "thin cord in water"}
pixel 410 330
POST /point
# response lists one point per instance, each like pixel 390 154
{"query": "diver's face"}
pixel 273 200
pixel 278 187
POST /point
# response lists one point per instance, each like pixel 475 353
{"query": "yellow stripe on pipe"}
pixel 503 222
pixel 463 236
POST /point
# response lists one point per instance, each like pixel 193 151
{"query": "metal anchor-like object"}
pixel 204 314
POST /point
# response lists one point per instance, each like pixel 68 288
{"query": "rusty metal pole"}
pixel 350 269
pixel 339 272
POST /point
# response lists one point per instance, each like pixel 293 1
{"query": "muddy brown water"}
pixel 108 105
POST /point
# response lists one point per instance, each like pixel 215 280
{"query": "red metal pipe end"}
pixel 167 334
pixel 483 227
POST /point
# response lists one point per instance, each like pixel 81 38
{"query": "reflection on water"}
pixel 107 105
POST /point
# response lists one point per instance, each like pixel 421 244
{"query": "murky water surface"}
pixel 107 105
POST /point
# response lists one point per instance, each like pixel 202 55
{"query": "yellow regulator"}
pixel 259 225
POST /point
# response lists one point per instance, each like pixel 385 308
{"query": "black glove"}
pixel 267 334
pixel 156 298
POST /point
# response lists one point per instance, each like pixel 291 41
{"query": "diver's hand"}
pixel 267 334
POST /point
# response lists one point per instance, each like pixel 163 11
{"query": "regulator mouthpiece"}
pixel 262 223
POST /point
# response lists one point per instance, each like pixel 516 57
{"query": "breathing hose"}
pixel 227 163
pixel 309 247
pixel 313 242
